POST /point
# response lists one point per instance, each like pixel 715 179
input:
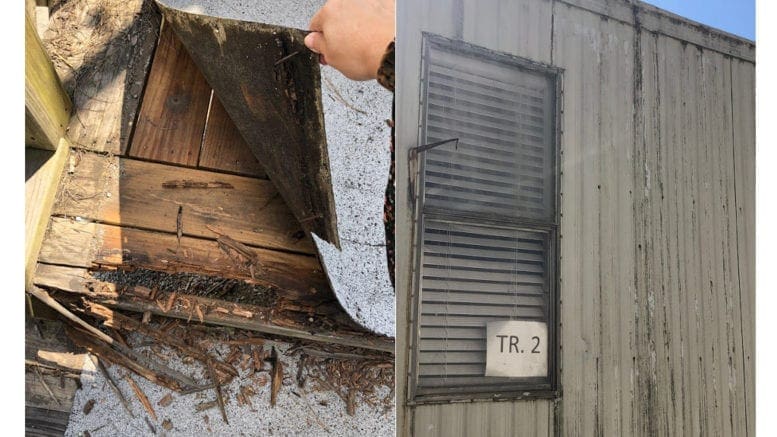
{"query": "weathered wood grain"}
pixel 134 193
pixel 276 106
pixel 52 367
pixel 43 171
pixel 102 51
pixel 88 244
pixel 46 106
pixel 218 312
pixel 223 148
pixel 175 105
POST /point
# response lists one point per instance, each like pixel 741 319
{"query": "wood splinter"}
pixel 141 396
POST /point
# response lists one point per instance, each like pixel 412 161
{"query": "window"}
pixel 487 216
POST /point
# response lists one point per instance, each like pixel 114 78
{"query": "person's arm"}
pixel 356 38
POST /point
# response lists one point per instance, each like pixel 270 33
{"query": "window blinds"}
pixel 502 169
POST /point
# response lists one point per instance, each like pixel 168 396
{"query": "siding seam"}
pixel 736 228
pixel 638 131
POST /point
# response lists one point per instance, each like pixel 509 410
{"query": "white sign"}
pixel 517 348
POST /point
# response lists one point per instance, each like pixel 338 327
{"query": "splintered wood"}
pixel 141 397
pixel 277 376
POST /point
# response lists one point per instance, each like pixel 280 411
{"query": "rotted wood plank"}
pixel 175 106
pixel 213 311
pixel 87 244
pixel 102 51
pixel 223 148
pixel 52 368
pixel 152 196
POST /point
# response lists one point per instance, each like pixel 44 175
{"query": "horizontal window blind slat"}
pixel 454 333
pixel 483 164
pixel 452 122
pixel 471 251
pixel 465 320
pixel 444 103
pixel 500 81
pixel 453 357
pixel 480 288
pixel 507 299
pixel 480 264
pixel 463 345
pixel 504 311
pixel 522 145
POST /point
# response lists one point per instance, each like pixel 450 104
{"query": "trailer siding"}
pixel 656 322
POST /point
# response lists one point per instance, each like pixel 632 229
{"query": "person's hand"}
pixel 352 35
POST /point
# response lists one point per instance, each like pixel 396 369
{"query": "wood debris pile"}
pixel 151 349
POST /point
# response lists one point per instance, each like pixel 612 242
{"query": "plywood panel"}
pixel 223 148
pixel 175 105
pixel 127 192
pixel 526 417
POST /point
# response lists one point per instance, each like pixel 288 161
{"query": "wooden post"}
pixel 47 106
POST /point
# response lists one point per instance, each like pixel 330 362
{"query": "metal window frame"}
pixel 529 388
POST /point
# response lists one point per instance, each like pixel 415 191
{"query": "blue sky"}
pixel 733 16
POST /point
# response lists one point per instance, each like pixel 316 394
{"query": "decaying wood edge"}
pixel 62 279
pixel 119 321
pixel 101 344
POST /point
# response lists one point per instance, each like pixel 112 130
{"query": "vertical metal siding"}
pixel 597 234
pixel 743 97
pixel 690 330
pixel 657 228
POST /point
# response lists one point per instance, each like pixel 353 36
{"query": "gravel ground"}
pixel 297 412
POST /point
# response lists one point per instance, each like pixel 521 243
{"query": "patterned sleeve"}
pixel 386 70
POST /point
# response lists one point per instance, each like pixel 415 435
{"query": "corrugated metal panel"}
pixel 524 418
pixel 519 27
pixel 690 332
pixel 743 96
pixel 597 233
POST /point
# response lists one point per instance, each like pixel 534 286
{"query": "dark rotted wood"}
pixel 52 369
pixel 148 195
pixel 273 320
pixel 40 422
pixel 102 51
pixel 276 106
pixel 175 105
pixel 85 244
pixel 223 148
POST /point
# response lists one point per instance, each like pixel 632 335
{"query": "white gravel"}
pixel 308 412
